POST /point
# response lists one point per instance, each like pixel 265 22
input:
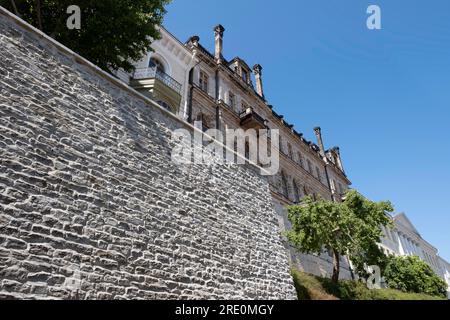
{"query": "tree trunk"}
pixel 336 266
pixel 39 14
pixel 16 12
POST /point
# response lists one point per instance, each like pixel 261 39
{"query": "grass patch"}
pixel 316 288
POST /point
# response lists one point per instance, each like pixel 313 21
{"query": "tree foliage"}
pixel 371 255
pixel 112 33
pixel 351 227
pixel 411 274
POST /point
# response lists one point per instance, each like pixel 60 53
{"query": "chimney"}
pixel 194 40
pixel 258 77
pixel 339 160
pixel 318 133
pixel 218 33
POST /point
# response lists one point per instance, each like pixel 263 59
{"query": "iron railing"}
pixel 250 112
pixel 153 72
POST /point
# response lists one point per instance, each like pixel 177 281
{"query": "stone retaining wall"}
pixel 91 205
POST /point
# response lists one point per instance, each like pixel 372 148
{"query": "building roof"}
pixel 402 219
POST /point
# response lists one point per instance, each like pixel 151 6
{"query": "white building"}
pixel 445 267
pixel 404 240
pixel 163 73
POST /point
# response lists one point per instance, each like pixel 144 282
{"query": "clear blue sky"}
pixel 383 96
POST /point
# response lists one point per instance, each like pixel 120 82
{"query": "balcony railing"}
pixel 250 119
pixel 145 73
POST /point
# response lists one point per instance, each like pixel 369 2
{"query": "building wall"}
pixel 91 205
pixel 445 267
pixel 404 240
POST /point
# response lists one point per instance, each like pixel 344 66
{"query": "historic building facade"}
pixel 403 239
pixel 163 74
pixel 203 87
pixel 227 94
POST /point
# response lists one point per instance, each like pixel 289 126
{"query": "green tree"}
pixel 344 228
pixel 112 33
pixel 371 255
pixel 411 274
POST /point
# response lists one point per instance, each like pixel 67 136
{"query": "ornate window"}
pixel 244 105
pixel 341 189
pixel 300 160
pixel 305 191
pixel 203 81
pixel 231 100
pixel 244 76
pixel 290 151
pixel 296 192
pixel 284 185
pixel 333 185
pixel 319 175
pixel 310 167
pixel 155 63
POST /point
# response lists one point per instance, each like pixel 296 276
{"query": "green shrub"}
pixel 316 288
pixel 411 274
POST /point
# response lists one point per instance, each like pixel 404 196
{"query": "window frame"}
pixel 231 100
pixel 203 81
pixel 244 105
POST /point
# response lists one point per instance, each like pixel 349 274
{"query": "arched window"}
pixel 310 167
pixel 305 191
pixel 290 154
pixel 155 63
pixel 300 159
pixel 284 185
pixel 296 192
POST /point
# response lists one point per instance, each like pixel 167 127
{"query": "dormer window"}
pixel 241 69
pixel 245 76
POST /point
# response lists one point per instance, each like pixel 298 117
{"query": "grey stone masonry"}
pixel 91 205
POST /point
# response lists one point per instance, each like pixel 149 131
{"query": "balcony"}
pixel 159 86
pixel 251 120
